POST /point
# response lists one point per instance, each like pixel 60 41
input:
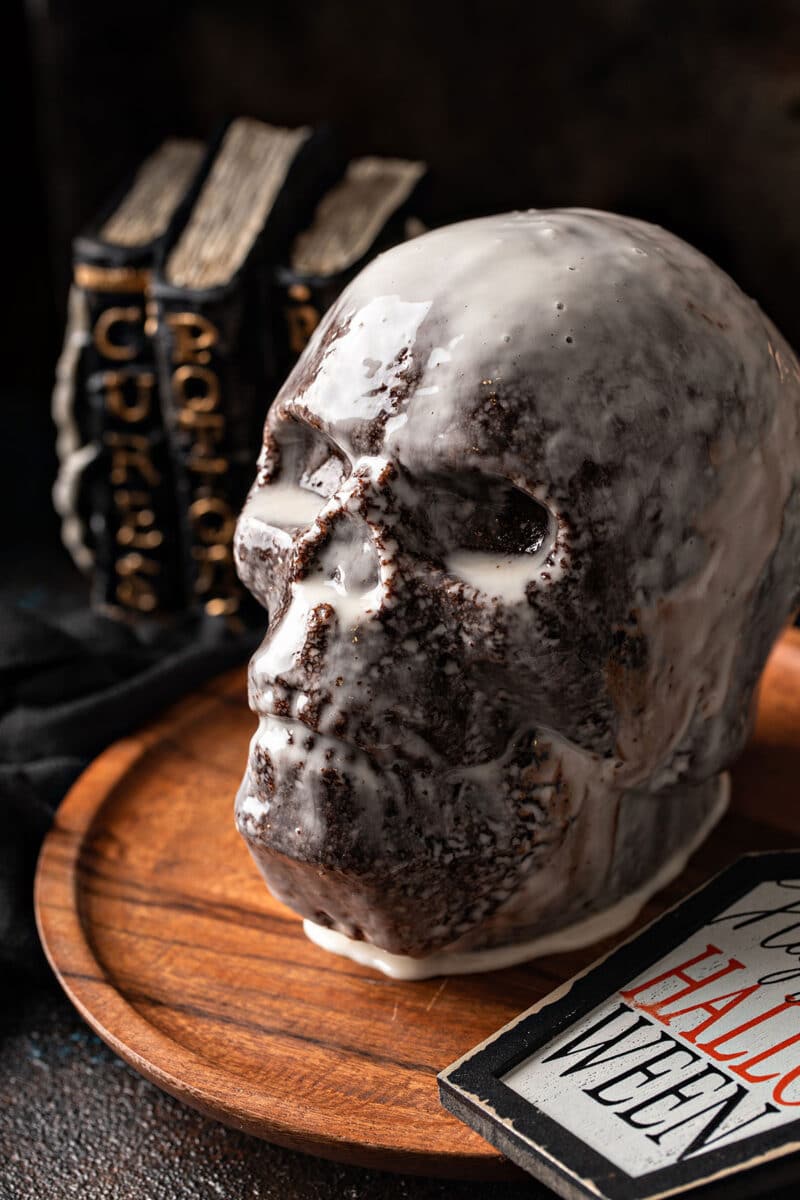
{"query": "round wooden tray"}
pixel 161 932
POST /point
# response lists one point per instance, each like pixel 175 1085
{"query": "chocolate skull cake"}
pixel 526 526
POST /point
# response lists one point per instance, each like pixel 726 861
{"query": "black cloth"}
pixel 70 684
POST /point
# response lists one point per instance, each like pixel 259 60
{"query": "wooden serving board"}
pixel 163 935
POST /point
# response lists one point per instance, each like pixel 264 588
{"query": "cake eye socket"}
pixel 323 477
pixel 489 515
pixel 506 521
pixel 309 470
pixel 493 536
pixel 308 458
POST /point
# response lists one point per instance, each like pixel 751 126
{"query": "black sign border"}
pixel 472 1087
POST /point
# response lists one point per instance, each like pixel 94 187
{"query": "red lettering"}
pixel 680 972
pixel 714 1007
pixel 710 1048
pixel 781 1087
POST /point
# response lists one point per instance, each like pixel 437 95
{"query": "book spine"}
pixel 218 375
pixel 215 388
pixel 299 303
pixel 125 486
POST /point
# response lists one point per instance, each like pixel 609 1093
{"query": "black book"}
pixel 114 491
pixel 217 360
pixel 371 208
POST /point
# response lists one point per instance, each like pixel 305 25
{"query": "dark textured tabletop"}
pixel 76 1121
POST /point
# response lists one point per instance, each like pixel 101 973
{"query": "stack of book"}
pixel 193 296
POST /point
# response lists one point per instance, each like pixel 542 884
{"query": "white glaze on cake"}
pixel 463 745
pixel 584 932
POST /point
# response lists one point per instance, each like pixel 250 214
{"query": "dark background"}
pixel 686 112
pixel 681 111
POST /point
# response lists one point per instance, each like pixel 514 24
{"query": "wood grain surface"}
pixel 166 940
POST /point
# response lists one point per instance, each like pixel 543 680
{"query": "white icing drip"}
pixel 583 933
pixel 350 607
pixel 378 346
pixel 252 807
pixel 502 576
pixel 396 423
pixel 386 311
pixel 284 505
pixel 287 638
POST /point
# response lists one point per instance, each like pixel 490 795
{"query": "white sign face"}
pixel 698 1052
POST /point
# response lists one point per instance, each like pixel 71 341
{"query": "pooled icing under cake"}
pixel 526 527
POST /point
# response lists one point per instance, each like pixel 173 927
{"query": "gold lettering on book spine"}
pixel 116 402
pixel 131 463
pixel 133 475
pixel 196 388
pixel 197 397
pixel 301 317
pixel 135 589
pixel 128 397
pixel 193 337
pixel 105 323
pixel 136 528
pixel 214 521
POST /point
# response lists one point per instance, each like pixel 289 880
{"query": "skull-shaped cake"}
pixel 526 526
